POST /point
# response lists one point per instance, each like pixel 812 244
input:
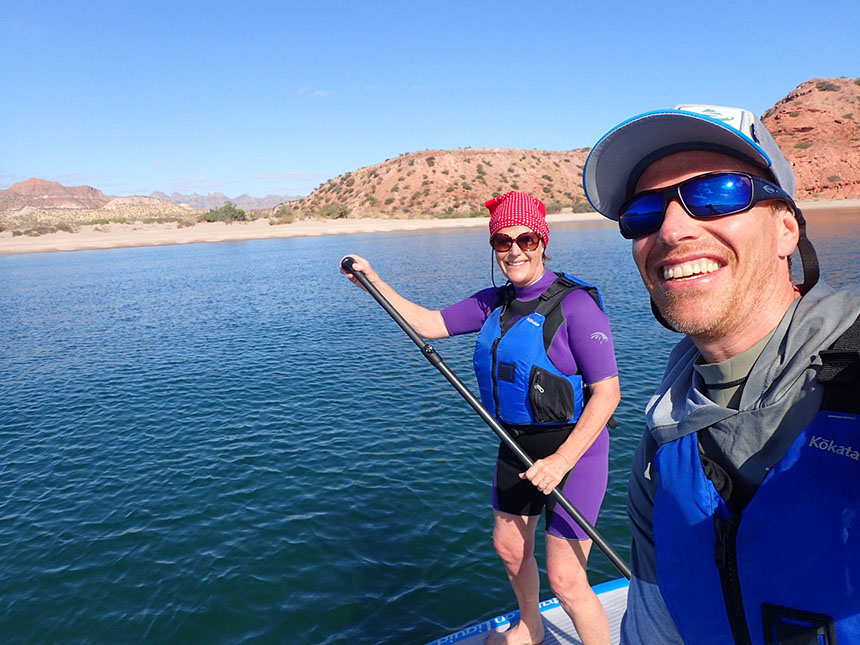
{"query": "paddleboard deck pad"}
pixel 557 624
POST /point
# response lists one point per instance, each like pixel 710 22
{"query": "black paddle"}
pixel 436 360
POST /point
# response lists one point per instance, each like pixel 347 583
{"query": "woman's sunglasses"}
pixel 707 196
pixel 526 241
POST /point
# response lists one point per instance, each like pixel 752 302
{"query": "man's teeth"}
pixel 690 268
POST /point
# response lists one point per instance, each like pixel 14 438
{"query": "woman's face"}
pixel 520 267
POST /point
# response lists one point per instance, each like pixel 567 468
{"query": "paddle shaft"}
pixel 436 360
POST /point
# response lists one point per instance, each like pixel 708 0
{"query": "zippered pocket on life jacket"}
pixel 551 397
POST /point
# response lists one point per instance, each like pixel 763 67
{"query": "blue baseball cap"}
pixel 618 160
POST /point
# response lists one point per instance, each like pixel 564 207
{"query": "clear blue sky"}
pixel 276 97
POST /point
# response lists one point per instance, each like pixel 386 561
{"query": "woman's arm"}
pixel 605 396
pixel 427 323
pixel 547 473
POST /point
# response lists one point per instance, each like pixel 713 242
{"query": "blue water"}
pixel 229 443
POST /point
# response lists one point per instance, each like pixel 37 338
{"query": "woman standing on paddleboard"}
pixel 546 369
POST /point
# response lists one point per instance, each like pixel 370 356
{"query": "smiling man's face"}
pixel 721 278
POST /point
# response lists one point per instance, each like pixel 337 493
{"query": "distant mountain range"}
pixel 217 200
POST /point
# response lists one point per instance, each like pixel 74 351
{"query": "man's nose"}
pixel 677 223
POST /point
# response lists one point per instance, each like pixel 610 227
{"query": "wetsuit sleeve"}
pixel 469 315
pixel 584 342
pixel 647 619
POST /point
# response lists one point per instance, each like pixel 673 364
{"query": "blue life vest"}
pixel 518 382
pixel 785 569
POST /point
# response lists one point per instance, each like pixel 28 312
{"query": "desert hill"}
pixel 43 194
pixel 448 183
pixel 145 207
pixel 817 127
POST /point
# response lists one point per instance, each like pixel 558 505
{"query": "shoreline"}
pixel 110 236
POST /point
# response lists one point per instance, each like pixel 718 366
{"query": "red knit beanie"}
pixel 518 209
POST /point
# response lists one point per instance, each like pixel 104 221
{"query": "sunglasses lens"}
pixel 717 195
pixel 501 243
pixel 642 215
pixel 528 241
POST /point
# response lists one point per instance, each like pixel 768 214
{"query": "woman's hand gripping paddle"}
pixel 436 360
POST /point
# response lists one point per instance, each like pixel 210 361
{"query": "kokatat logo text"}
pixel 828 445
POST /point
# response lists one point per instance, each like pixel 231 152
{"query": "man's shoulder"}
pixel 820 317
pixel 823 299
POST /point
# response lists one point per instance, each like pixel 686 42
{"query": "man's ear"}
pixel 788 231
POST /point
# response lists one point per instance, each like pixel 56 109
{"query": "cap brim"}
pixel 622 151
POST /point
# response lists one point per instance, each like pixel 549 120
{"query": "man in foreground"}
pixel 743 496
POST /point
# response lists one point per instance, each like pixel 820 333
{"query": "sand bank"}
pixel 107 236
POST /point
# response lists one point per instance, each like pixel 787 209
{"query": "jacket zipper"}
pixel 495 377
pixel 725 548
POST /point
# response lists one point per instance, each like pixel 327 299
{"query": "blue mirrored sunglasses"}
pixel 707 196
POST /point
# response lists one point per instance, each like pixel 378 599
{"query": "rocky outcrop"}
pixel 817 127
pixel 43 194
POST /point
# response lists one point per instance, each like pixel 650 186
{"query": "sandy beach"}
pixel 107 236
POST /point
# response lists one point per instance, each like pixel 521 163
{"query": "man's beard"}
pixel 671 305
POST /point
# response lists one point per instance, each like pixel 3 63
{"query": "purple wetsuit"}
pixel 582 345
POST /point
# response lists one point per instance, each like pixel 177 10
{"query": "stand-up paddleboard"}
pixel 558 628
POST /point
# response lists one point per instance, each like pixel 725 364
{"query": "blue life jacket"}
pixel 784 569
pixel 518 382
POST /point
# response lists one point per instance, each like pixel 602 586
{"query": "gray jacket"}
pixel 781 392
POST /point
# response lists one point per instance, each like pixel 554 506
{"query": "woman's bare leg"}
pixel 566 562
pixel 514 540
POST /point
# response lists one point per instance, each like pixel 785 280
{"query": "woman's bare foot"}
pixel 517 635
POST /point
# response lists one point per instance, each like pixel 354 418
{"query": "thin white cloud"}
pixel 303 90
pixel 322 93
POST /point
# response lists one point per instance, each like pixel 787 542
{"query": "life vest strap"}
pixel 547 305
pixel 840 372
